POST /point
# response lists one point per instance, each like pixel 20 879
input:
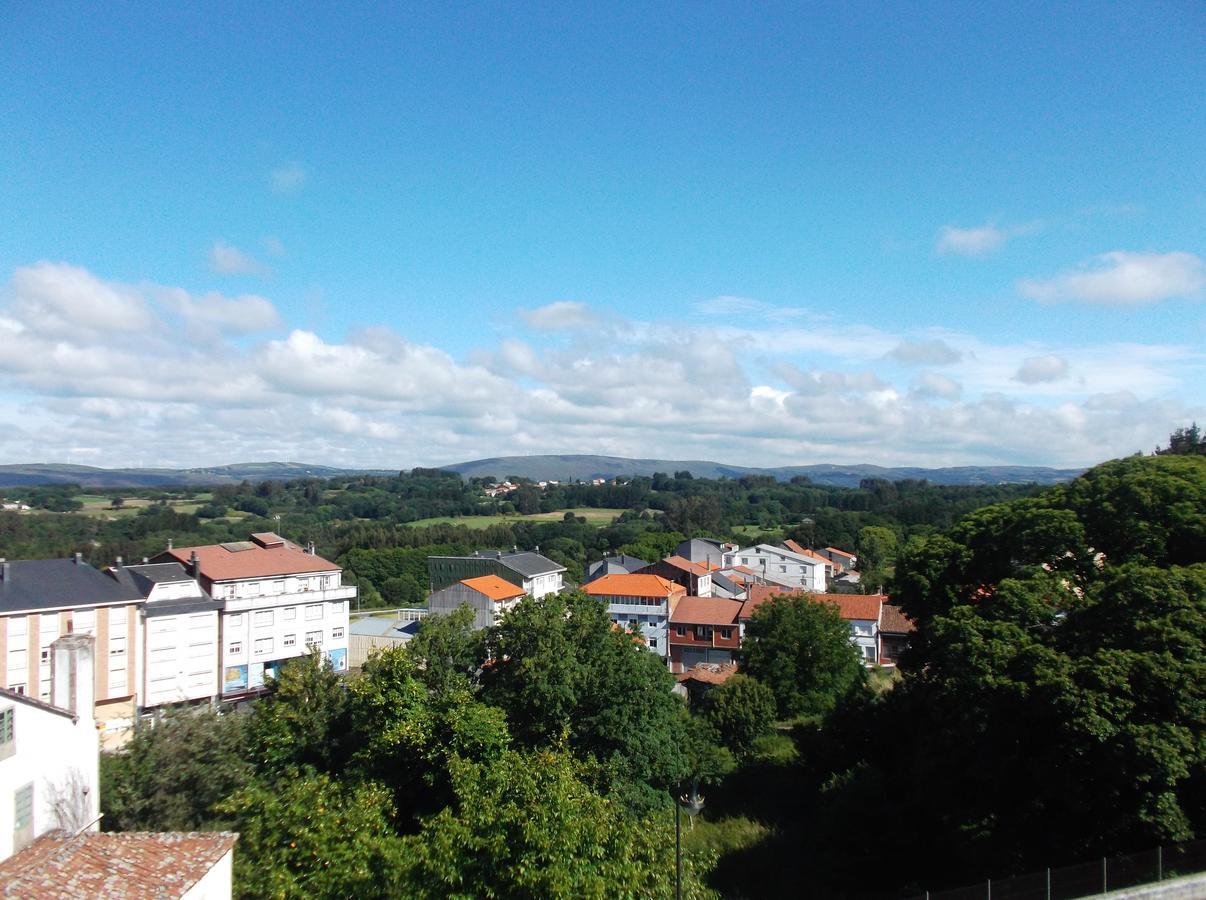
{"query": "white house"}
pixel 278 601
pixel 49 777
pixel 780 566
pixel 641 600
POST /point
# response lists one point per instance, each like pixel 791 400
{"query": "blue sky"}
pixel 934 234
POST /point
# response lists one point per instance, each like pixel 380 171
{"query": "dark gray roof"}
pixel 614 565
pixel 524 562
pixel 60 583
pixel 727 583
pixel 143 579
pixel 161 573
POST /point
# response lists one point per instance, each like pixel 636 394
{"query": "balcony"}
pixel 296 598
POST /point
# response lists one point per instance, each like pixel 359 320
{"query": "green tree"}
pixel 801 650
pixel 303 720
pixel 311 835
pixel 170 776
pixel 741 710
pixel 530 825
pixel 876 553
pixel 448 649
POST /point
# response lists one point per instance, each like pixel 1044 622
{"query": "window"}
pixel 18 689
pixel 235 621
pixel 653 643
pixel 263 618
pixel 290 613
pixel 680 630
pixel 726 633
pixel 235 648
pixel 117 646
pixel 23 807
pixel 702 632
pixel 314 611
pixel 336 633
pixel 278 587
pixel 314 638
pixel 869 653
pixel 290 640
pixel 745 560
pixel 46 655
pixel 6 732
pixel 263 645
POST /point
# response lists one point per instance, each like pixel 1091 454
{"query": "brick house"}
pixel 704 630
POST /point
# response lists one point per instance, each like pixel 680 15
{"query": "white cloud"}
pixel 562 315
pixel 288 178
pixel 86 362
pixel 970 241
pixel 1040 369
pixel 1121 278
pixel 226 259
pixel 934 352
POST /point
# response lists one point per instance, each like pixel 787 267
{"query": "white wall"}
pixel 217 883
pixel 181 658
pixel 544 584
pixel 781 566
pixel 60 759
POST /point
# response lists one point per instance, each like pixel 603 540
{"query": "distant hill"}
pixel 569 468
pixel 540 468
pixel 90 476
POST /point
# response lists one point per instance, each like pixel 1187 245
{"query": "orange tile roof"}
pixel 246 559
pixel 706 611
pixel 864 607
pixel 622 585
pixel 841 552
pixel 497 589
pixel 680 562
pixel 709 673
pixel 794 547
pixel 113 864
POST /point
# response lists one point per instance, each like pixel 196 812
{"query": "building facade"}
pixel 278 602
pixel 641 602
pixel 779 566
pixel 487 595
pixel 535 574
pixel 704 630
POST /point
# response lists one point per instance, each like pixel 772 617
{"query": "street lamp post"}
pixel 691 804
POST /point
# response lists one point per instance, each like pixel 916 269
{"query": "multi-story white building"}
pixel 640 600
pixel 278 601
pixel 779 566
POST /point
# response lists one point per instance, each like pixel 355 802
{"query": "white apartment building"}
pixel 641 600
pixel 49 777
pixel 779 566
pixel 278 601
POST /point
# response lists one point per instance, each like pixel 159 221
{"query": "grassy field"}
pixel 594 517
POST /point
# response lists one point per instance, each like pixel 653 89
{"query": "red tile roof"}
pixel 709 673
pixel 840 552
pixel 706 611
pixel 497 589
pixel 794 547
pixel 680 562
pixel 894 621
pixel 864 607
pixel 621 585
pixel 251 559
pixel 130 864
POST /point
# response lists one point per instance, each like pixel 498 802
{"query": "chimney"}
pixel 4 576
pixel 79 557
pixel 71 686
pixel 192 564
pixel 310 548
pixel 169 543
pixel 145 560
pixel 537 548
pixel 119 563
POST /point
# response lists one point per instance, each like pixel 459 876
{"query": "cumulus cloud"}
pixel 1040 369
pixel 562 315
pixel 970 241
pixel 925 353
pixel 1121 278
pixel 86 362
pixel 226 259
pixel 288 178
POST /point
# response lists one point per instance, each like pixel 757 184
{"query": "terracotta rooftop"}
pixel 265 556
pixel 497 589
pixel 680 562
pixel 894 621
pixel 620 585
pixel 864 607
pixel 844 553
pixel 706 611
pixel 130 865
pixel 794 547
pixel 709 673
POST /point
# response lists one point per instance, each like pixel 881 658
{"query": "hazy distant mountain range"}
pixel 541 468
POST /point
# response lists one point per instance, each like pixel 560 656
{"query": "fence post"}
pixel 1159 863
pixel 1048 883
pixel 990 889
pixel 1104 884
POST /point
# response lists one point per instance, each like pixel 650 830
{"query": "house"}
pixel 167 866
pixel 779 566
pixel 702 677
pixel 613 565
pixel 832 569
pixel 694 578
pixel 43 599
pixel 536 574
pixel 178 635
pixel 704 550
pixel 861 611
pixel 704 630
pixel 725 584
pixel 644 600
pixel 49 758
pixel 894 631
pixel 488 595
pixel 848 560
pixel 279 601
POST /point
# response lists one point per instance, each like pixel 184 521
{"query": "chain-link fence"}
pixel 1085 879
